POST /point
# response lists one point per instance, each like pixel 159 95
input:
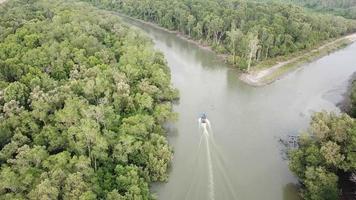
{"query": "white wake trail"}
pixel 210 166
pixel 205 127
pixel 211 147
pixel 220 164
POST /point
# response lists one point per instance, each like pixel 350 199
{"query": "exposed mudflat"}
pixel 257 78
pixel 243 158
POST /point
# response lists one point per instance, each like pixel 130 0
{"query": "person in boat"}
pixel 203 118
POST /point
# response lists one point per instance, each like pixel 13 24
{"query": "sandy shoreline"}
pixel 254 78
pixel 257 78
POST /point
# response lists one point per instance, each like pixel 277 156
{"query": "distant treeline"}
pixel 346 8
pixel 248 31
pixel 82 102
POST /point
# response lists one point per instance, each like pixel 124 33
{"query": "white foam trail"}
pixel 210 166
pixel 212 146
pixel 220 165
pixel 205 127
pixel 208 124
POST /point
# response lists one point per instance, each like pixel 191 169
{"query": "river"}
pixel 241 157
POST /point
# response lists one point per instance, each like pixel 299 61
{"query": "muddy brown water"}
pixel 241 158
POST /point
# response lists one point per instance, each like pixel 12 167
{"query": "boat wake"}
pixel 205 129
pixel 214 159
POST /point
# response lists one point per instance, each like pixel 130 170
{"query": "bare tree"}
pixel 253 45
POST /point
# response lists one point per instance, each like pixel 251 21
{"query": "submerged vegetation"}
pixel 247 31
pixel 82 102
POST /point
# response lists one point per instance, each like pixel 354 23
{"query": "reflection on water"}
pixel 290 192
pixel 245 156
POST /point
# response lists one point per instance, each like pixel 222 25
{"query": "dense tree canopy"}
pixel 82 102
pixel 346 8
pixel 248 31
pixel 353 99
pixel 326 151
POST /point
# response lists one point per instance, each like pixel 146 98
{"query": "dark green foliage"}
pixel 82 102
pixel 329 149
pixel 248 31
pixel 353 99
pixel 345 8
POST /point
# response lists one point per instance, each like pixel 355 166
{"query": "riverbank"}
pixel 178 34
pixel 264 73
pixel 347 181
pixel 208 85
pixel 345 104
pixel 272 69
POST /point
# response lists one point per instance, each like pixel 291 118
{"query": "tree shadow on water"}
pixel 290 192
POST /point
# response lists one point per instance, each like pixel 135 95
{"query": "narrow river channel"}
pixel 240 157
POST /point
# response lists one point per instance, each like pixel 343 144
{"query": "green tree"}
pixel 253 47
pixel 235 36
pixel 281 29
pixel 320 184
pixel 324 152
pixel 80 94
pixel 16 91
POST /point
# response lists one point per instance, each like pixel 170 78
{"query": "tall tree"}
pixel 253 47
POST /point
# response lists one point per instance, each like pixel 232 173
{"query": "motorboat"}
pixel 203 119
